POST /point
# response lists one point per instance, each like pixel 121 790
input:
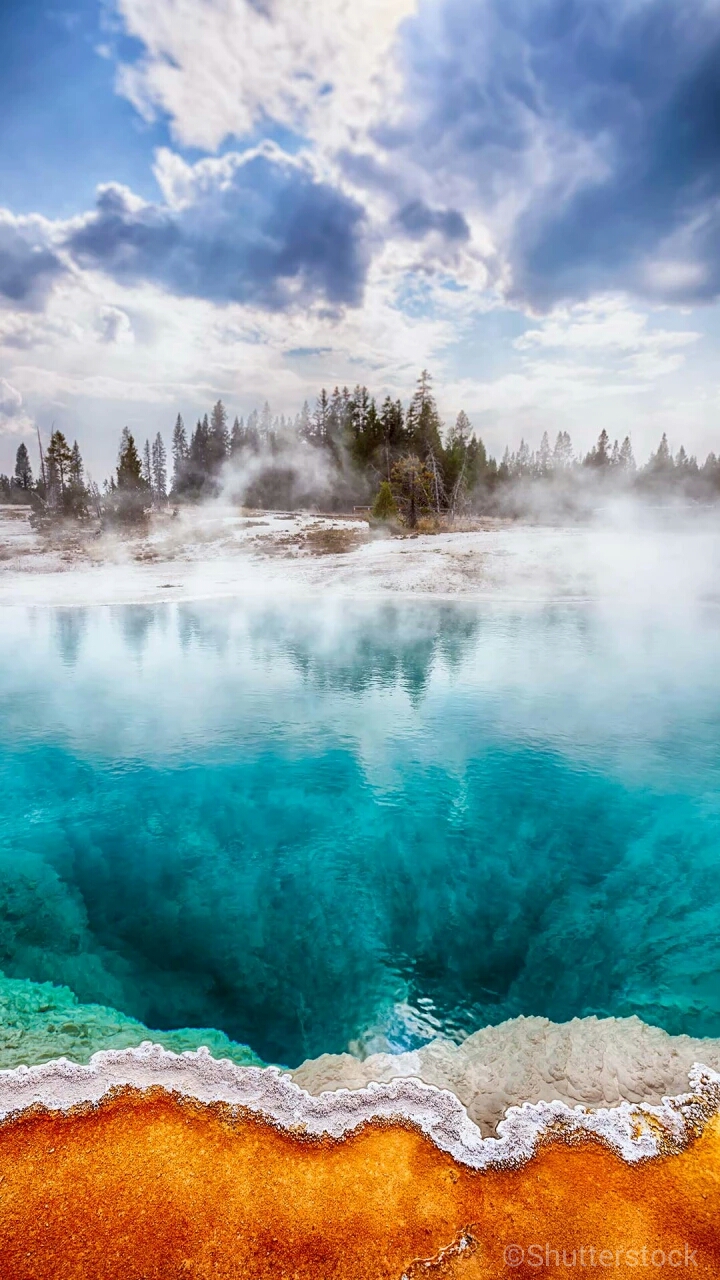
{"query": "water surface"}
pixel 321 826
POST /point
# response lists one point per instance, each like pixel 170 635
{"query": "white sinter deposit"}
pixel 634 1132
pixel 217 552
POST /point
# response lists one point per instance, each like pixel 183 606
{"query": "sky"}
pixel 250 199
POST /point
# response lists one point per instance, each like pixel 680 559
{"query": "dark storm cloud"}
pixel 607 112
pixel 260 230
pixel 28 266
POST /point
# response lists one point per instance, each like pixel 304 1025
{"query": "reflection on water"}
pixel 311 826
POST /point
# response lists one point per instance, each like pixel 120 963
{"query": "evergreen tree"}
pixel 682 461
pixel 179 447
pixel 159 469
pixel 23 470
pixel 544 461
pixel 338 425
pixel 423 419
pixel 252 433
pixel 321 419
pixel 147 466
pixel 392 427
pixel 384 507
pixel 198 452
pixel 412 488
pixel 58 460
pixel 599 455
pixel 218 443
pixel 661 461
pixel 237 437
pixel 304 424
pixel 523 462
pixel 129 467
pixel 464 461
pixel 563 452
pixel 265 423
pixel 77 470
pixel 626 459
pixel 76 496
pixel 711 471
pixel 364 427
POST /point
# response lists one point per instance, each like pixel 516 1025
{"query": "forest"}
pixel 347 452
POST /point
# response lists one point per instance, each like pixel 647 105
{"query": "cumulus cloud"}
pixel 219 68
pixel 29 265
pixel 586 130
pixel 13 419
pixel 258 227
pixel 576 139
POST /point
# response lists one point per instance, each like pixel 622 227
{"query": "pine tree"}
pixel 412 488
pixel 544 456
pixel 626 459
pixel 147 466
pixel 76 497
pixel 159 469
pixel 198 451
pixel 179 445
pixel 129 467
pixel 662 460
pixel 237 437
pixel 266 421
pixel 77 469
pixel 304 422
pixel 522 465
pixel 682 462
pixel 58 460
pixel 252 432
pixel 23 470
pixel 321 419
pixel 460 433
pixel 464 457
pixel 384 507
pixel 563 452
pixel 423 419
pixel 218 443
pixel 339 417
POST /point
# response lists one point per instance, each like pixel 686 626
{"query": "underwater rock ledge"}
pixel 591 1061
pixel 635 1132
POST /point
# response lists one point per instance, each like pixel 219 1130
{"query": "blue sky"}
pixel 217 197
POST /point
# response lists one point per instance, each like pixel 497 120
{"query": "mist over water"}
pixel 314 826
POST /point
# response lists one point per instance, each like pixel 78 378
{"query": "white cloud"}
pixel 610 329
pixel 219 68
pixel 10 399
pixel 13 419
pixel 114 326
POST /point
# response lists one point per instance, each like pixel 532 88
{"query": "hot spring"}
pixel 320 826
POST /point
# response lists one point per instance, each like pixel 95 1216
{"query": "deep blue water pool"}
pixel 317 825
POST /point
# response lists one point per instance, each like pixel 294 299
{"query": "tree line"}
pixel 348 450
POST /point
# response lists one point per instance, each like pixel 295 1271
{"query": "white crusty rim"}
pixel 634 1131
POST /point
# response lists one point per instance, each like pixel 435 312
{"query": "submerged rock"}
pixel 596 1062
pixel 40 1021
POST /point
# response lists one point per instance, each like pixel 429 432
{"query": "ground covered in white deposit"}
pixel 213 552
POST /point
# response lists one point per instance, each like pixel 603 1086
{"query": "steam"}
pixel 288 472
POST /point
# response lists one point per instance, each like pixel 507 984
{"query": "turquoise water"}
pixel 319 826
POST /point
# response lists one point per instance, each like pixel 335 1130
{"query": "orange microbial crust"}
pixel 149 1184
